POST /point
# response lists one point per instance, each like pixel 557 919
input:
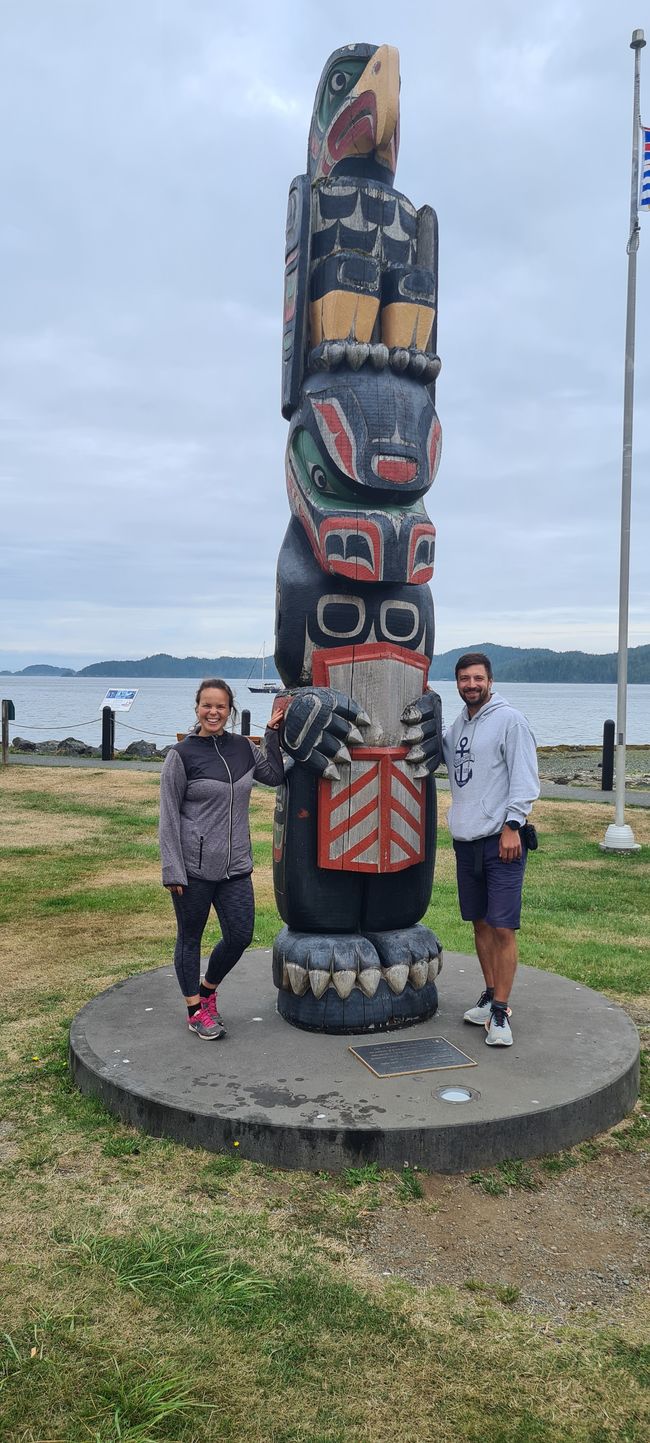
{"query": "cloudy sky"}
pixel 148 147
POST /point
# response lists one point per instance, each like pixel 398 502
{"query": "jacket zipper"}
pixel 200 852
pixel 231 807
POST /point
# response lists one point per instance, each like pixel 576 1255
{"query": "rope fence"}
pixel 96 721
pixel 141 730
pixel 33 726
pixel 19 727
pixel 79 726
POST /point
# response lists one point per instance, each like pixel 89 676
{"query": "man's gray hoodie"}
pixel 492 764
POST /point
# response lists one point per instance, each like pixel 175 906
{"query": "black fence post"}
pixel 607 774
pixel 108 733
pixel 245 723
pixel 8 714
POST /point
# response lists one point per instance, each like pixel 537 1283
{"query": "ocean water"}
pixel 56 707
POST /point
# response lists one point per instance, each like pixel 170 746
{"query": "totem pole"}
pixel 354 833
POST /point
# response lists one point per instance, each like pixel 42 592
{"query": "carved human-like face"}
pixel 212 711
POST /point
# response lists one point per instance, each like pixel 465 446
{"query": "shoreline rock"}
pixel 72 747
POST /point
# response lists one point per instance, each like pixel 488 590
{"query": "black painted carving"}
pixel 354 839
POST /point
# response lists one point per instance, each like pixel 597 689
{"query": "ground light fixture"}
pixel 454 1092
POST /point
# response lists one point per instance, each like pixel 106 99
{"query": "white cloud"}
pixel 142 249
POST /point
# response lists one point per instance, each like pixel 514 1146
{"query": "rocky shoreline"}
pixel 71 747
pixel 581 766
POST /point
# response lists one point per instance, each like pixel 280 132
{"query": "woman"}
pixel 205 843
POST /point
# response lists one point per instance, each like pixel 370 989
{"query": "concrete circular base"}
pixel 303 1100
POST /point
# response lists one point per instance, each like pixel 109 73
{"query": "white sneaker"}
pixel 481 1013
pixel 498 1030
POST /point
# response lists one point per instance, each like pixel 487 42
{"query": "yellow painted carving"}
pixel 342 316
pixel 407 324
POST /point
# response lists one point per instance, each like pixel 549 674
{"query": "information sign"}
pixel 120 698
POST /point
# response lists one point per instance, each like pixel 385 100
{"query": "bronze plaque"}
pixel 422 1054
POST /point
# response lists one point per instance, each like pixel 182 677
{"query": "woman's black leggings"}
pixel 234 905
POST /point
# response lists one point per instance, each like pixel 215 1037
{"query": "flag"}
pixel 644 194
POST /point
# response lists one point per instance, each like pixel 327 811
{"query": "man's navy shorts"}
pixel 489 890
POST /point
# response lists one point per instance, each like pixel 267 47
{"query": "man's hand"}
pixel 174 887
pixel 509 845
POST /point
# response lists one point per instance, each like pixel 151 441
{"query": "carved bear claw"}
pixel 422 721
pixel 303 960
pixel 318 724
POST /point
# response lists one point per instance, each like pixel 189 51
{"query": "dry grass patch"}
pixel 146 873
pixel 81 784
pixel 592 930
pixel 263 887
pixel 33 829
pixel 586 819
pixel 600 864
pixel 74 958
pixel 445 867
pixel 52 940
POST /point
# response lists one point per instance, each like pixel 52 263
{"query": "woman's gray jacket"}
pixel 205 789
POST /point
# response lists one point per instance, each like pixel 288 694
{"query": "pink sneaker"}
pixel 205 1025
pixel 210 1005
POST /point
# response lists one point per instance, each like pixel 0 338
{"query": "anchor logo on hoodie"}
pixel 463 759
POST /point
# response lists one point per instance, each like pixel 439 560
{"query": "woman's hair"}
pixel 220 685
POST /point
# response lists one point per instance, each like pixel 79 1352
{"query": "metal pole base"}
pixel 619 839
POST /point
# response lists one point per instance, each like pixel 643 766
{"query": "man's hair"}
pixel 474 658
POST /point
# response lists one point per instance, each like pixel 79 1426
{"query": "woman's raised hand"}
pixel 279 707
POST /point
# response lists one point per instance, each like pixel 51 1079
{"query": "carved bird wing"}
pixel 296 293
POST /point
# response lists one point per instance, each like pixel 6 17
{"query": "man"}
pixel 492 764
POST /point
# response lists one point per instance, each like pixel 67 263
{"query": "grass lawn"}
pixel 150 1292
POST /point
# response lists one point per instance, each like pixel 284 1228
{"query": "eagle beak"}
pixel 381 77
pixel 368 121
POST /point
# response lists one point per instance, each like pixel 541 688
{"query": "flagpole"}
pixel 619 837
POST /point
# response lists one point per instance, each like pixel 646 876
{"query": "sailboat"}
pixel 269 687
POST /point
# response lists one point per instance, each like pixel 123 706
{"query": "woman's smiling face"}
pixel 212 711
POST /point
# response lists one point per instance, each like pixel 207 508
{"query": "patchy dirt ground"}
pixel 580 1242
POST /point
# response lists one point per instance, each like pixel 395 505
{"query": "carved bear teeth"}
pixel 396 977
pixel 344 983
pixel 419 974
pixel 298 979
pixel 319 981
pixel 435 967
pixel 368 981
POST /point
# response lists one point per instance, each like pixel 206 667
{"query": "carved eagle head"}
pixel 355 124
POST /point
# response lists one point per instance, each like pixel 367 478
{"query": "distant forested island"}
pixel 162 664
pixel 511 663
pixel 535 663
